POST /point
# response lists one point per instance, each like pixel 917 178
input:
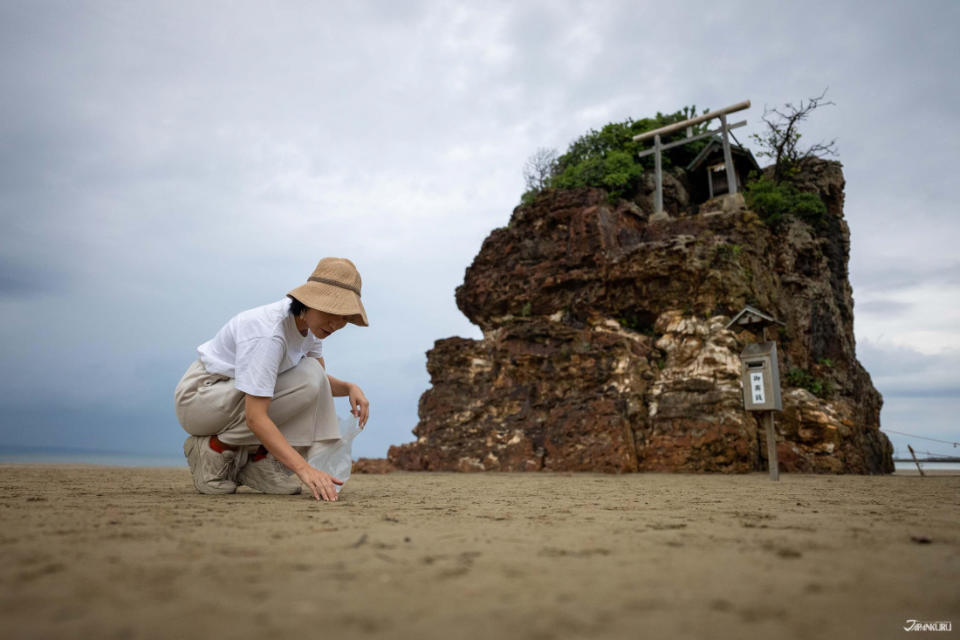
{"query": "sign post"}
pixel 761 377
pixel 772 461
pixel 761 392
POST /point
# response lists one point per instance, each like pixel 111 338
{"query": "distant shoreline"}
pixel 96 458
pixel 116 459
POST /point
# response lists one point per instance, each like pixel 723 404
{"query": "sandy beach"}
pixel 100 552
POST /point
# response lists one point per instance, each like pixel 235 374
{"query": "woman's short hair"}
pixel 296 307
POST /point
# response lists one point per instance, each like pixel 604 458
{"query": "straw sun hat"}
pixel 334 287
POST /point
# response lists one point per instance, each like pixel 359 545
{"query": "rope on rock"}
pixel 913 435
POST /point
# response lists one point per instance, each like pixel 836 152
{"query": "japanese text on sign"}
pixel 756 387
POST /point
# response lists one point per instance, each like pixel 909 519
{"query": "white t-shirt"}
pixel 256 346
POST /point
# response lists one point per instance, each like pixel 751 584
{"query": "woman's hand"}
pixel 359 406
pixel 321 484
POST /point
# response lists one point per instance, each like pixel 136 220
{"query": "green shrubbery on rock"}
pixel 607 159
pixel 806 380
pixel 617 172
pixel 773 201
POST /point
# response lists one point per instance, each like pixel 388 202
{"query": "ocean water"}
pixel 105 458
pixel 928 466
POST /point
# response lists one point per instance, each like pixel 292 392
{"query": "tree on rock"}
pixel 775 194
pixel 538 170
pixel 781 139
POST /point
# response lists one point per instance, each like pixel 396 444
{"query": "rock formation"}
pixel 605 347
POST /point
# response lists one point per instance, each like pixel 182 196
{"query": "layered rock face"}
pixel 605 347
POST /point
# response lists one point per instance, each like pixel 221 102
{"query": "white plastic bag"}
pixel 334 456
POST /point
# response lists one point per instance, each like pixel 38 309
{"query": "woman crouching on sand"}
pixel 259 394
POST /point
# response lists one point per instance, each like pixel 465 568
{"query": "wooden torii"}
pixel 658 148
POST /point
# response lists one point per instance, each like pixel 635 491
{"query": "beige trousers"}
pixel 302 406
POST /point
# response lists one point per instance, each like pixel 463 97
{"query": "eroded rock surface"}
pixel 605 346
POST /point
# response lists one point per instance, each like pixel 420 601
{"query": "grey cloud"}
pixel 925 392
pixel 20 280
pixel 894 359
pixel 884 307
pixel 925 417
pixel 903 372
pixel 906 276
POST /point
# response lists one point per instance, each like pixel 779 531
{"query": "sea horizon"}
pixel 112 458
pixel 76 455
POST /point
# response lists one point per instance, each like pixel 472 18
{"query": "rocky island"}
pixel 605 345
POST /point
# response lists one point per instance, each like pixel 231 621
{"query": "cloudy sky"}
pixel 165 165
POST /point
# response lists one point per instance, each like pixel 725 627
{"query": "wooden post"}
pixel 727 156
pixel 772 449
pixel 658 197
pixel 915 461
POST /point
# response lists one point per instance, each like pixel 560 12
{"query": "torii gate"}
pixel 658 148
